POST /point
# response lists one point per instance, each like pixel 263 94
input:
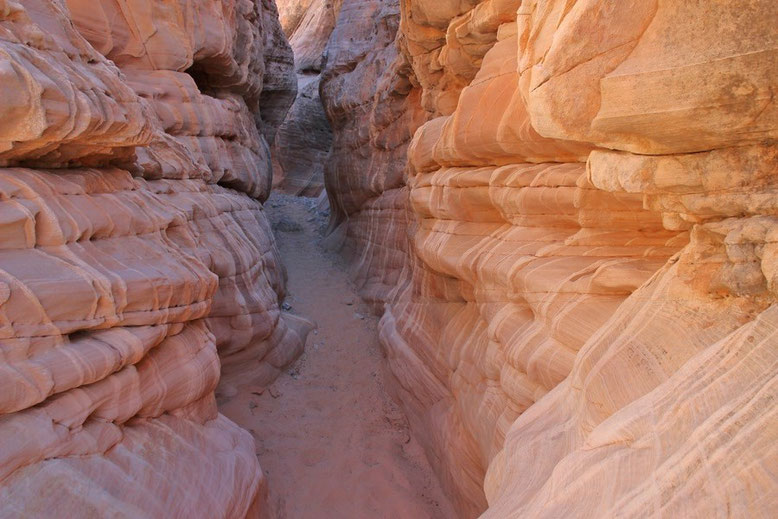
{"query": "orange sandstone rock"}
pixel 581 319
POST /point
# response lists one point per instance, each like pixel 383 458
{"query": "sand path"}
pixel 330 440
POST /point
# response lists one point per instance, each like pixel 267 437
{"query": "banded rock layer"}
pixel 135 253
pixel 575 254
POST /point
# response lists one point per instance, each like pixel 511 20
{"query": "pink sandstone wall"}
pixel 134 252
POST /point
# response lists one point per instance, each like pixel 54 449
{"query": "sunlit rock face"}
pixel 580 316
pixel 303 141
pixel 134 253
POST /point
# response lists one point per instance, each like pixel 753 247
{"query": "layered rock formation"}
pixel 303 141
pixel 134 252
pixel 372 107
pixel 565 209
pixel 576 254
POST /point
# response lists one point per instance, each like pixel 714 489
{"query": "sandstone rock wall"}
pixel 576 252
pixel 373 109
pixel 303 142
pixel 134 252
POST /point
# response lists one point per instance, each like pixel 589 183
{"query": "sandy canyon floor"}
pixel 331 441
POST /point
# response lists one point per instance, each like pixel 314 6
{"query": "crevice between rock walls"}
pixel 304 138
pixel 564 210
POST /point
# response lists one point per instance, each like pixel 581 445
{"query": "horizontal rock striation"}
pixel 575 253
pixel 135 260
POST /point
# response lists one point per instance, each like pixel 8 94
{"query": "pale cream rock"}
pixel 49 73
pixel 654 77
pixel 308 25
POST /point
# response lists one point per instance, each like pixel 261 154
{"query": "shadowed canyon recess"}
pixel 520 259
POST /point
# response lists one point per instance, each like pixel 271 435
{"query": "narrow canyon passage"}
pixel 566 212
pixel 330 440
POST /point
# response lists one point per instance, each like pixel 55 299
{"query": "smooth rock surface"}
pixel 371 105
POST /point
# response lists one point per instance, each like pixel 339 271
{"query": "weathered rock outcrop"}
pixel 577 260
pixel 303 142
pixel 134 252
pixel 372 107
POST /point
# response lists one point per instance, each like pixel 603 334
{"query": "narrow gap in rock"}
pixel 328 435
pixel 564 214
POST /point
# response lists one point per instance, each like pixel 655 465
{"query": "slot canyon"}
pixel 388 258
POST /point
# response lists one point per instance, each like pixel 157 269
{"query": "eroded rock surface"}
pixel 303 142
pixel 134 252
pixel 575 256
pixel 372 107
